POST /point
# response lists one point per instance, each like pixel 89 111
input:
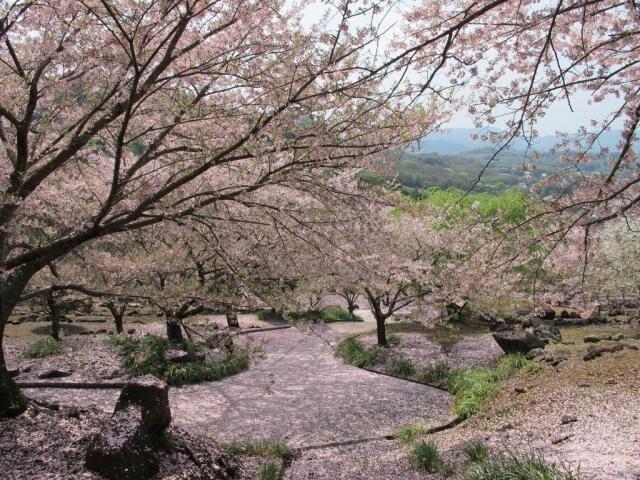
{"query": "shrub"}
pixel 337 314
pixel 513 467
pixel 509 365
pixel 260 449
pixel 407 434
pixel 400 367
pixel 271 471
pixel 352 351
pixel 45 347
pixel 446 339
pixel 437 374
pixel 477 451
pixel 425 456
pixel 270 316
pixel 146 356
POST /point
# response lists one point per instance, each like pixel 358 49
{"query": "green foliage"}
pixel 270 316
pixel 352 351
pixel 409 433
pixel 400 367
pixel 514 467
pixel 437 374
pixel 477 451
pixel 146 356
pixel 371 178
pixel 473 387
pixel 45 347
pixel 271 471
pixel 447 339
pixel 337 314
pixel 425 456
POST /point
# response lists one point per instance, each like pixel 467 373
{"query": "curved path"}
pixel 298 392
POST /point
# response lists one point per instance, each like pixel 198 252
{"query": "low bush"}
pixel 271 471
pixel 146 356
pixel 45 347
pixel 352 351
pixel 437 374
pixel 477 451
pixel 514 467
pixel 447 339
pixel 337 314
pixel 270 316
pixel 473 387
pixel 393 339
pixel 409 433
pixel 274 452
pixel 400 367
pixel 425 456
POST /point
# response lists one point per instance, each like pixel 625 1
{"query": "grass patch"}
pixel 473 387
pixel 270 316
pixel 400 367
pixel 409 433
pixel 352 351
pixel 271 471
pixel 477 451
pixel 146 356
pixel 45 347
pixel 337 314
pixel 437 374
pixel 425 456
pixel 446 338
pixel 513 467
pixel 393 339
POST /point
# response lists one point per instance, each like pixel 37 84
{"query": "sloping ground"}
pixel 299 393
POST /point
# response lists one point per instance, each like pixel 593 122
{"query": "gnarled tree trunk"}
pixel 55 316
pixel 174 330
pixel 118 314
pixel 232 318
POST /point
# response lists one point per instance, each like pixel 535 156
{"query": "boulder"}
pixel 177 356
pixel 220 340
pixel 617 337
pixel 535 353
pixel 548 334
pixel 151 395
pixel 611 347
pixel 123 450
pixel 131 331
pixel 517 342
pixel 53 373
pixel 591 339
pixel 591 354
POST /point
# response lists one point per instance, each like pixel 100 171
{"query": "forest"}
pixel 249 239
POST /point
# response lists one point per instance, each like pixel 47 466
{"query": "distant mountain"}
pixel 458 140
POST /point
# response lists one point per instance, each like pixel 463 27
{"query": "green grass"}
pixel 409 433
pixel 45 347
pixel 425 456
pixel 145 356
pixel 271 470
pixel 446 338
pixel 400 367
pixel 513 467
pixel 337 314
pixel 393 339
pixel 437 374
pixel 270 316
pixel 473 387
pixel 477 451
pixel 352 351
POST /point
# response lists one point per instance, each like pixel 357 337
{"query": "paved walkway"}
pixel 299 392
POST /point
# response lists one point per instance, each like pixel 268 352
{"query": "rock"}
pixel 568 419
pixel 100 331
pixel 177 356
pixel 222 340
pixel 548 334
pixel 584 385
pixel 591 354
pixel 152 396
pixel 611 381
pixel 54 373
pixel 611 347
pixel 13 373
pixel 517 342
pixel 110 374
pixel 520 390
pixel 536 352
pixel 630 346
pixel 131 331
pixel 548 314
pixel 561 439
pixel 617 337
pixel 591 339
pixel 604 336
pixel 25 369
pixel 123 449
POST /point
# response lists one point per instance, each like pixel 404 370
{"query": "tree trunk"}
pixel 381 330
pixel 117 314
pixel 55 317
pixel 12 401
pixel 174 331
pixel 232 318
pixel 118 322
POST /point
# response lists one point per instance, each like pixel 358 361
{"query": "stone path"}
pixel 299 393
